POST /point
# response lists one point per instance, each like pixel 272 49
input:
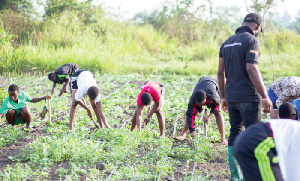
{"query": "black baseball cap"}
pixel 253 18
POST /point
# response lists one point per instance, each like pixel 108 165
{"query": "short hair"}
pixel 200 95
pixel 13 88
pixel 286 110
pixel 93 92
pixel 146 98
pixel 51 76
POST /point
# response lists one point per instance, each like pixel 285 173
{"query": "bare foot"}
pixel 193 134
pixel 30 129
pixel 181 137
pixel 161 136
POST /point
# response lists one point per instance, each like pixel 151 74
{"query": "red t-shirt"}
pixel 153 88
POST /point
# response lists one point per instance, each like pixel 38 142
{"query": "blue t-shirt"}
pixel 296 104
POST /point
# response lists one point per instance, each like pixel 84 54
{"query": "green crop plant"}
pixel 10 135
pixel 126 155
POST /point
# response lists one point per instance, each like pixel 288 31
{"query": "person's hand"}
pixel 193 134
pixel 224 105
pixel 47 97
pixel 90 113
pixel 267 104
pixel 206 120
pixel 147 120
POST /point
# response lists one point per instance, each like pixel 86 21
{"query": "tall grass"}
pixel 107 45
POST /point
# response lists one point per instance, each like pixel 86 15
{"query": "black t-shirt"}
pixel 237 50
pixel 63 72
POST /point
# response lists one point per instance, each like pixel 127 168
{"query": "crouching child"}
pixel 14 107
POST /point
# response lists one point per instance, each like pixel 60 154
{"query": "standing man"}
pixel 240 82
pixel 151 90
pixel 62 76
pixel 206 93
pixel 284 90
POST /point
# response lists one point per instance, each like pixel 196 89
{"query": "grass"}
pixel 116 47
pixel 10 135
pixel 62 154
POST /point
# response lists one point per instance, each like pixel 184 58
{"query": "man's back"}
pixel 236 51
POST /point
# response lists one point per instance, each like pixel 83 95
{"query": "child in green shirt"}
pixel 14 106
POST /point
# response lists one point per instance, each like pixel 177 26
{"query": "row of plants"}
pixel 124 154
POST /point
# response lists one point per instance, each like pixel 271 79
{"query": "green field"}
pixel 173 45
pixel 52 152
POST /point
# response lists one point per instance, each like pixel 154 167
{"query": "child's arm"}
pixel 139 110
pixel 156 106
pixel 53 88
pixel 208 117
pixel 83 104
pixel 1 116
pixel 38 99
pixel 64 88
pixel 97 106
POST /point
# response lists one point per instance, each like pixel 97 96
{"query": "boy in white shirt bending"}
pixel 84 83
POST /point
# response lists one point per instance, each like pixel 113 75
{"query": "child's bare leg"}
pixel 11 116
pixel 161 121
pixel 26 116
pixel 133 121
pixel 220 123
pixel 73 109
pixel 184 131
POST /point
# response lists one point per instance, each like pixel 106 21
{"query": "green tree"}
pixel 263 6
pixel 24 7
pixel 296 24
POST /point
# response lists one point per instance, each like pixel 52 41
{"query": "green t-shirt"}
pixel 10 104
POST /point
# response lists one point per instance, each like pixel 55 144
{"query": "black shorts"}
pixel 255 151
pixel 74 84
pixel 74 78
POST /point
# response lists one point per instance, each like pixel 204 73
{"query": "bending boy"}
pixel 284 90
pixel 290 110
pixel 206 93
pixel 14 106
pixel 151 90
pixel 62 76
pixel 83 82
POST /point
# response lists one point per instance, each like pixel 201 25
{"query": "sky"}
pixel 128 8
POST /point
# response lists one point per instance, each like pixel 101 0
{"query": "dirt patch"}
pixel 13 150
pixel 216 171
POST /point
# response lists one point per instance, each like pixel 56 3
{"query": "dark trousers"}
pixel 242 114
pixel 255 152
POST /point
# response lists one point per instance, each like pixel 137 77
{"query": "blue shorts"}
pixel 273 98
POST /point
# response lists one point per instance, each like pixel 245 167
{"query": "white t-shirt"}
pixel 85 80
pixel 286 135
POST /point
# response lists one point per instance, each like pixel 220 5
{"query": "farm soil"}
pixel 213 169
pixel 13 150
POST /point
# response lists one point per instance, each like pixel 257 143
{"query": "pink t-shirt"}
pixel 153 88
